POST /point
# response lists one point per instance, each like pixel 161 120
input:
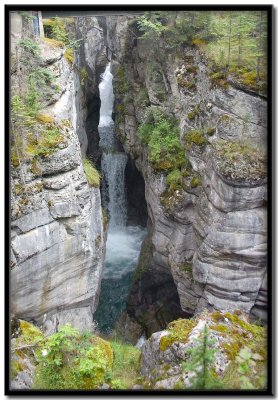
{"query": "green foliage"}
pixel 234 42
pixel 150 25
pixel 240 161
pixel 30 46
pixel 142 98
pixel 195 137
pixel 126 365
pixel 32 97
pixel 92 174
pixel 27 15
pixel 245 364
pixel 70 360
pixel 33 135
pixel 202 357
pixel 174 180
pixel 42 76
pixel 56 30
pixel 161 133
pixel 121 84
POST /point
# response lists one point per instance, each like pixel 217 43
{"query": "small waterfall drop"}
pixel 112 163
pixel 123 242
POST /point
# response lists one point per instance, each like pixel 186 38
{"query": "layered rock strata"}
pixel 57 237
pixel 210 237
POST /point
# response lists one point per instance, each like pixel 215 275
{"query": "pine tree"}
pixel 202 357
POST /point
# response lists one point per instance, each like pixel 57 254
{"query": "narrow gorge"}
pixel 138 196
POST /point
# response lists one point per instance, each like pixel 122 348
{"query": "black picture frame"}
pixel 76 9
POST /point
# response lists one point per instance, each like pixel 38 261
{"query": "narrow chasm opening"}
pixel 93 107
pixel 137 213
pixel 126 216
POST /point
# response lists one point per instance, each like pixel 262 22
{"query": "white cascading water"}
pixel 112 164
pixel 123 242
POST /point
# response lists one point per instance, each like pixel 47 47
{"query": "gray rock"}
pixel 57 237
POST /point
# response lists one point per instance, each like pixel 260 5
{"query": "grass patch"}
pixel 239 161
pixel 92 174
pixel 126 365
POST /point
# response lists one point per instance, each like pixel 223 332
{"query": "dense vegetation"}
pixel 235 42
pixel 69 359
pixel 34 134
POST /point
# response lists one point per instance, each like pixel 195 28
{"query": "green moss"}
pixel 16 367
pixel 29 332
pixel 211 131
pixel 69 55
pixel 142 97
pixel 240 161
pixel 45 119
pixel 195 182
pixel 104 218
pixel 195 137
pixel 220 328
pixel 239 333
pixel 219 79
pixel 179 331
pixel 53 42
pixel 73 361
pixel 174 180
pixel 35 167
pixel 217 316
pixel 193 114
pixel 121 84
pixel 18 189
pixel 92 174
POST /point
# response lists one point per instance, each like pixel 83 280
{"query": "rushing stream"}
pixel 123 242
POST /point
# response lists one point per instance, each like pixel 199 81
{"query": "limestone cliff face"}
pixel 57 237
pixel 211 236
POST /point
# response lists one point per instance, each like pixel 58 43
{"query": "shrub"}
pixel 195 137
pixel 142 97
pixel 92 174
pixel 202 357
pixel 70 360
pixel 30 46
pixel 161 133
pixel 174 180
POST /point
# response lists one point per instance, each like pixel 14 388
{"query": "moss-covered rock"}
pixel 167 355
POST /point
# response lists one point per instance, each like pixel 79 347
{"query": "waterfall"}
pixel 112 163
pixel 123 242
